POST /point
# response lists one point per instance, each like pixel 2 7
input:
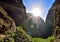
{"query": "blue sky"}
pixel 44 4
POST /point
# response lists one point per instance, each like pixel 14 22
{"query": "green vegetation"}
pixel 29 38
pixel 49 39
pixel 24 35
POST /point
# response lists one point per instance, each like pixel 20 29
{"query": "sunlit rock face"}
pixel 15 10
pixel 6 22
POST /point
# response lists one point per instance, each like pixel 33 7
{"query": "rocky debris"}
pixel 2 37
pixel 15 10
pixel 6 22
pixel 20 37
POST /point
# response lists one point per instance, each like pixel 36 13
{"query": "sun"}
pixel 36 11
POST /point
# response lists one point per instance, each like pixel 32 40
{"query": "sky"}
pixel 44 5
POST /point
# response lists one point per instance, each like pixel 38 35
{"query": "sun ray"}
pixel 36 11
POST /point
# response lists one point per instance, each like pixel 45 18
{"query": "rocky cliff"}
pixel 57 20
pixel 12 14
pixel 15 10
pixel 49 25
pixel 53 19
pixel 6 22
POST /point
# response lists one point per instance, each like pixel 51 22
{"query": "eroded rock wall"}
pixel 12 14
pixel 54 14
pixel 15 10
pixel 57 21
pixel 6 22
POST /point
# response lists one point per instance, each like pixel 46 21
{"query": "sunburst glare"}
pixel 36 11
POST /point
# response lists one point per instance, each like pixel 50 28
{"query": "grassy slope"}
pixel 30 39
pixel 49 39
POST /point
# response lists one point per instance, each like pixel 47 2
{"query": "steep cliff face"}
pixel 53 19
pixel 49 25
pixel 57 21
pixel 15 10
pixel 11 12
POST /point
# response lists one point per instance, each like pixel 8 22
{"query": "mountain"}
pixel 34 25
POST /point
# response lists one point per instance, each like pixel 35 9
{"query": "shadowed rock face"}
pixel 6 23
pixel 50 21
pixel 57 21
pixel 53 20
pixel 15 9
pixel 57 1
pixel 9 10
pixel 11 1
pixel 14 2
pixel 55 9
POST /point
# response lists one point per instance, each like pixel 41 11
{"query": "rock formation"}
pixel 57 20
pixel 15 10
pixel 49 25
pixel 6 22
pixel 12 13
pixel 54 19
